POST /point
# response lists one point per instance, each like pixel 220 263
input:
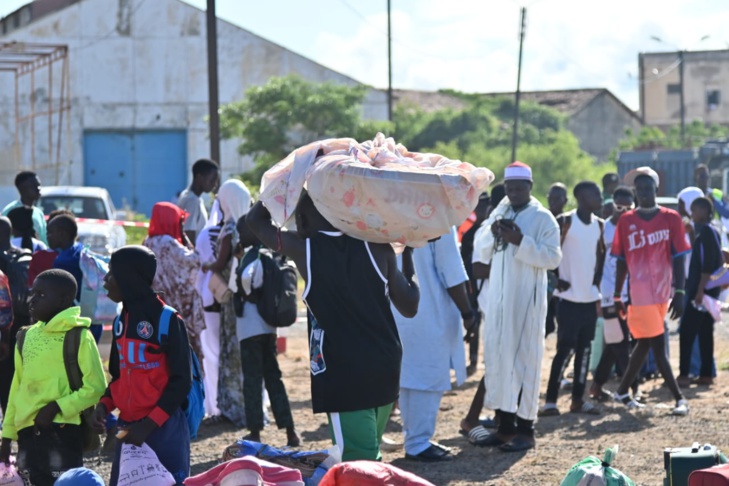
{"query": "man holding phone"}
pixel 521 241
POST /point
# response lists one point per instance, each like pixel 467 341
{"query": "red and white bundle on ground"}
pixel 376 190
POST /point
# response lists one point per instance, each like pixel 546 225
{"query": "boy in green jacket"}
pixel 43 414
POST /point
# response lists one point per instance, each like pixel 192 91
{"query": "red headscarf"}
pixel 167 219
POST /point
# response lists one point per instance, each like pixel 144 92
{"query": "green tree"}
pixel 288 112
pixel 649 138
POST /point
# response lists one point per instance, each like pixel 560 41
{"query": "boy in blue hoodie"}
pixel 43 414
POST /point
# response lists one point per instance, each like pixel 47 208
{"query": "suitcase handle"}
pixel 695 447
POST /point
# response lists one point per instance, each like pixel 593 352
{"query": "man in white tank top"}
pixel 578 291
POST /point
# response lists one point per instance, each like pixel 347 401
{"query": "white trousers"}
pixel 419 412
pixel 210 343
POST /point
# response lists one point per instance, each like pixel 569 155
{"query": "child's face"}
pixel 699 214
pixel 46 300
pixel 112 287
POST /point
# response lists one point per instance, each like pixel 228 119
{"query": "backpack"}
pixel 195 407
pixel 6 302
pixel 94 302
pixel 15 264
pixel 71 344
pixel 276 300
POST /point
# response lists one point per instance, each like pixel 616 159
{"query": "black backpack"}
pixel 276 300
pixel 15 263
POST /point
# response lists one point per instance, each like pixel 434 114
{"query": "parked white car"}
pixel 102 233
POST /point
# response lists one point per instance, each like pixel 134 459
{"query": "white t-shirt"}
pixel 252 324
pixel 579 258
pixel 37 244
pixel 195 207
pixel 609 270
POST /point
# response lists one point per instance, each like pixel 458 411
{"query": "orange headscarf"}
pixel 167 219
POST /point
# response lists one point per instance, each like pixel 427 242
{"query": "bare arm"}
pixel 223 256
pixel 679 278
pixel 287 242
pixel 481 271
pixel 404 292
pixel 459 295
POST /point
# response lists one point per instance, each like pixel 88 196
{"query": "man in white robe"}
pixel 521 240
pixel 432 344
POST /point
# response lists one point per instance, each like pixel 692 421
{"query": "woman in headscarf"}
pixel 177 268
pixel 205 246
pixel 235 201
pixel 24 235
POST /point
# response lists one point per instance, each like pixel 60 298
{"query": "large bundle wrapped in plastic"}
pixel 370 473
pixel 247 471
pixel 591 471
pixel 377 190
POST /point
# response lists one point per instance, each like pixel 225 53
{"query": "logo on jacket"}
pixel 145 330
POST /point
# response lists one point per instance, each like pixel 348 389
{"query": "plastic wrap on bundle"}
pixel 595 472
pixel 377 190
pixel 312 464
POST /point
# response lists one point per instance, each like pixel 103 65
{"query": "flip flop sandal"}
pixel 491 440
pixel 587 408
pixel 489 423
pixel 601 395
pixel 548 412
pixel 518 444
pixel 478 434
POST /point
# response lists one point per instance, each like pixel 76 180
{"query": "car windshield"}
pixel 82 207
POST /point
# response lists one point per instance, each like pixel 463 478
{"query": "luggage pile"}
pixel 695 466
pixel 376 190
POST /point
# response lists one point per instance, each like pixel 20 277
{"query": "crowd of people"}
pixel 386 329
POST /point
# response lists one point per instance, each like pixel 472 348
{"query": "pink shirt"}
pixel 648 248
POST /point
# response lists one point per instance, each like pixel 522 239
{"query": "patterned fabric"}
pixel 177 269
pixel 230 378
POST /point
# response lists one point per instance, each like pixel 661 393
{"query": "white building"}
pixel 138 94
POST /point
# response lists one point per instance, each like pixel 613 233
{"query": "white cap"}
pixel 518 171
pixel 630 177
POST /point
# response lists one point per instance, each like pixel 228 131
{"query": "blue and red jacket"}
pixel 149 378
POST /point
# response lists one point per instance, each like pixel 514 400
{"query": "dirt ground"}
pixel 561 441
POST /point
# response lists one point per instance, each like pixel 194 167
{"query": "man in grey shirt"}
pixel 205 177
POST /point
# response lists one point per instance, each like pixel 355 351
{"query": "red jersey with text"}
pixel 648 248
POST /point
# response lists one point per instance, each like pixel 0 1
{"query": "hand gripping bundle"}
pixel 592 471
pixel 376 190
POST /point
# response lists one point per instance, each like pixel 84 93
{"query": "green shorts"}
pixel 358 433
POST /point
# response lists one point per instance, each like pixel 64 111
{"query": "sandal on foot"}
pixel 489 423
pixel 518 444
pixel 491 440
pixel 629 402
pixel 478 434
pixel 548 412
pixel 586 408
pixel 600 395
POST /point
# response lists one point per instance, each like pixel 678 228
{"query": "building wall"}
pixel 140 65
pixel 704 72
pixel 600 125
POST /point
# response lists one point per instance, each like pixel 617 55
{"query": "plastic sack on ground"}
pixel 313 465
pixel 94 302
pixel 370 473
pixel 377 190
pixel 9 475
pixel 594 472
pixel 247 471
pixel 139 466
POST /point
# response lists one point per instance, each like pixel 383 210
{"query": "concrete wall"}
pixel 608 114
pixel 703 71
pixel 138 64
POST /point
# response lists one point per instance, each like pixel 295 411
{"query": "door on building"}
pixel 138 168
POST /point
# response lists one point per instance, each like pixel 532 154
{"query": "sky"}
pixel 473 45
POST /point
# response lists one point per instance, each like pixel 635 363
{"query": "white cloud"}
pixel 473 45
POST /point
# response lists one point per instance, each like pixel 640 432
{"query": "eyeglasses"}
pixel 619 208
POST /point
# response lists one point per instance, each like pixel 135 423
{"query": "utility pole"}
pixel 681 95
pixel 518 86
pixel 214 119
pixel 389 62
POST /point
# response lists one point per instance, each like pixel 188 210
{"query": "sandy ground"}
pixel 562 441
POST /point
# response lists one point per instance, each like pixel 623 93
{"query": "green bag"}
pixel 594 472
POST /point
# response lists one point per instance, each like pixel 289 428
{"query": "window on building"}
pixel 672 88
pixel 713 99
